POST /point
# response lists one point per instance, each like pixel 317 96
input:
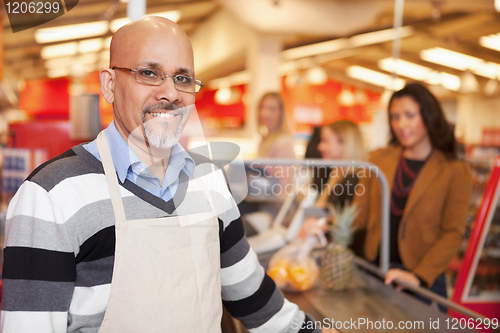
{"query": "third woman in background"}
pixel 276 140
pixel 430 192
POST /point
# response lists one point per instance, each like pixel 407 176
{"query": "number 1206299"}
pixel 478 323
pixel 32 7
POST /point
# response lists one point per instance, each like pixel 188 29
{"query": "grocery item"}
pixel 337 267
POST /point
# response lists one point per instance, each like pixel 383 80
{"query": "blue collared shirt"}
pixel 129 166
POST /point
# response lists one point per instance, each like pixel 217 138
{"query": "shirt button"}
pixel 143 171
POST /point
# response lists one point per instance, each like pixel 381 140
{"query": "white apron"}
pixel 166 278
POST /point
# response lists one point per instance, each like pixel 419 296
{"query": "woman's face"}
pixel 330 146
pixel 270 113
pixel 406 122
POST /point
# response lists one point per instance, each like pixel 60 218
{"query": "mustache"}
pixel 163 106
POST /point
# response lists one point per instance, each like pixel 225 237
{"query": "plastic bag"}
pixel 293 267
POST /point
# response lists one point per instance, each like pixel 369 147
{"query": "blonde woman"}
pixel 340 140
pixel 276 140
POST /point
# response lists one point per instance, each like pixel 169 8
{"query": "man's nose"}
pixel 167 91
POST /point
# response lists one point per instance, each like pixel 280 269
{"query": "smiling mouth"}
pixel 164 114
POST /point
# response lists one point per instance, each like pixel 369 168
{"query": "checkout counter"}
pixel 368 305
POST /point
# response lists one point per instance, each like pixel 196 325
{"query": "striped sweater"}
pixel 60 243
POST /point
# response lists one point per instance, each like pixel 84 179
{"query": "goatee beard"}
pixel 166 138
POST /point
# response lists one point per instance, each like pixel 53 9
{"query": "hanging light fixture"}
pixel 469 83
pixel 227 95
pixel 491 87
pixel 346 97
pixel 223 96
pixel 316 75
pixel 360 97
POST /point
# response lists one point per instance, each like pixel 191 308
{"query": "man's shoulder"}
pixel 73 162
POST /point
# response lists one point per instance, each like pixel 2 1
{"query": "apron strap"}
pixel 111 177
pixel 114 188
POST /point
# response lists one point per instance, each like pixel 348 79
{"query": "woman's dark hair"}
pixel 439 130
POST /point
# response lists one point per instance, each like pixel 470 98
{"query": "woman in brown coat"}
pixel 430 192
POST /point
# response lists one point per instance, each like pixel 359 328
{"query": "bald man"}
pixel 130 233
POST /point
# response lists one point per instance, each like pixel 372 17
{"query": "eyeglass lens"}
pixel 156 77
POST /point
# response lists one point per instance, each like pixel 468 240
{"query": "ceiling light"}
pixel 316 76
pixel 288 67
pixel 331 46
pixel 491 42
pixel 315 49
pixel 89 58
pixel 461 62
pixel 377 37
pixel 57 72
pixel 405 68
pixel 420 73
pixel 74 31
pixel 60 50
pixel 346 98
pixel 469 83
pixel 375 78
pixel 491 87
pixel 223 96
pixel 118 23
pixel 497 5
pixel 361 97
pixel 81 69
pixel 235 79
pixel 59 62
pixel 172 15
pixel 449 58
pixel 451 82
pixel 90 45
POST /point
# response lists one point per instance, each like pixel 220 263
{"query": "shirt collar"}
pixel 123 156
pixel 180 159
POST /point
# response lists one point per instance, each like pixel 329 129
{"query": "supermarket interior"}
pixel 325 61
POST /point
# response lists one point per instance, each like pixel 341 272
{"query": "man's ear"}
pixel 107 78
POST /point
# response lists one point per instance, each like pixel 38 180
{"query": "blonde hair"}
pixel 353 149
pixel 351 138
pixel 282 124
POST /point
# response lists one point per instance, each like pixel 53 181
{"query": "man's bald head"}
pixel 153 44
pixel 131 37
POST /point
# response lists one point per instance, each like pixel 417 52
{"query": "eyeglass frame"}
pixel 165 75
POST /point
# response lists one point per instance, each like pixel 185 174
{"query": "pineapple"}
pixel 337 265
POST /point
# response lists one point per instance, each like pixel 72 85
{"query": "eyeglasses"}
pixel 155 77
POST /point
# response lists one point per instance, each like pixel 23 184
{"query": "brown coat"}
pixel 433 222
